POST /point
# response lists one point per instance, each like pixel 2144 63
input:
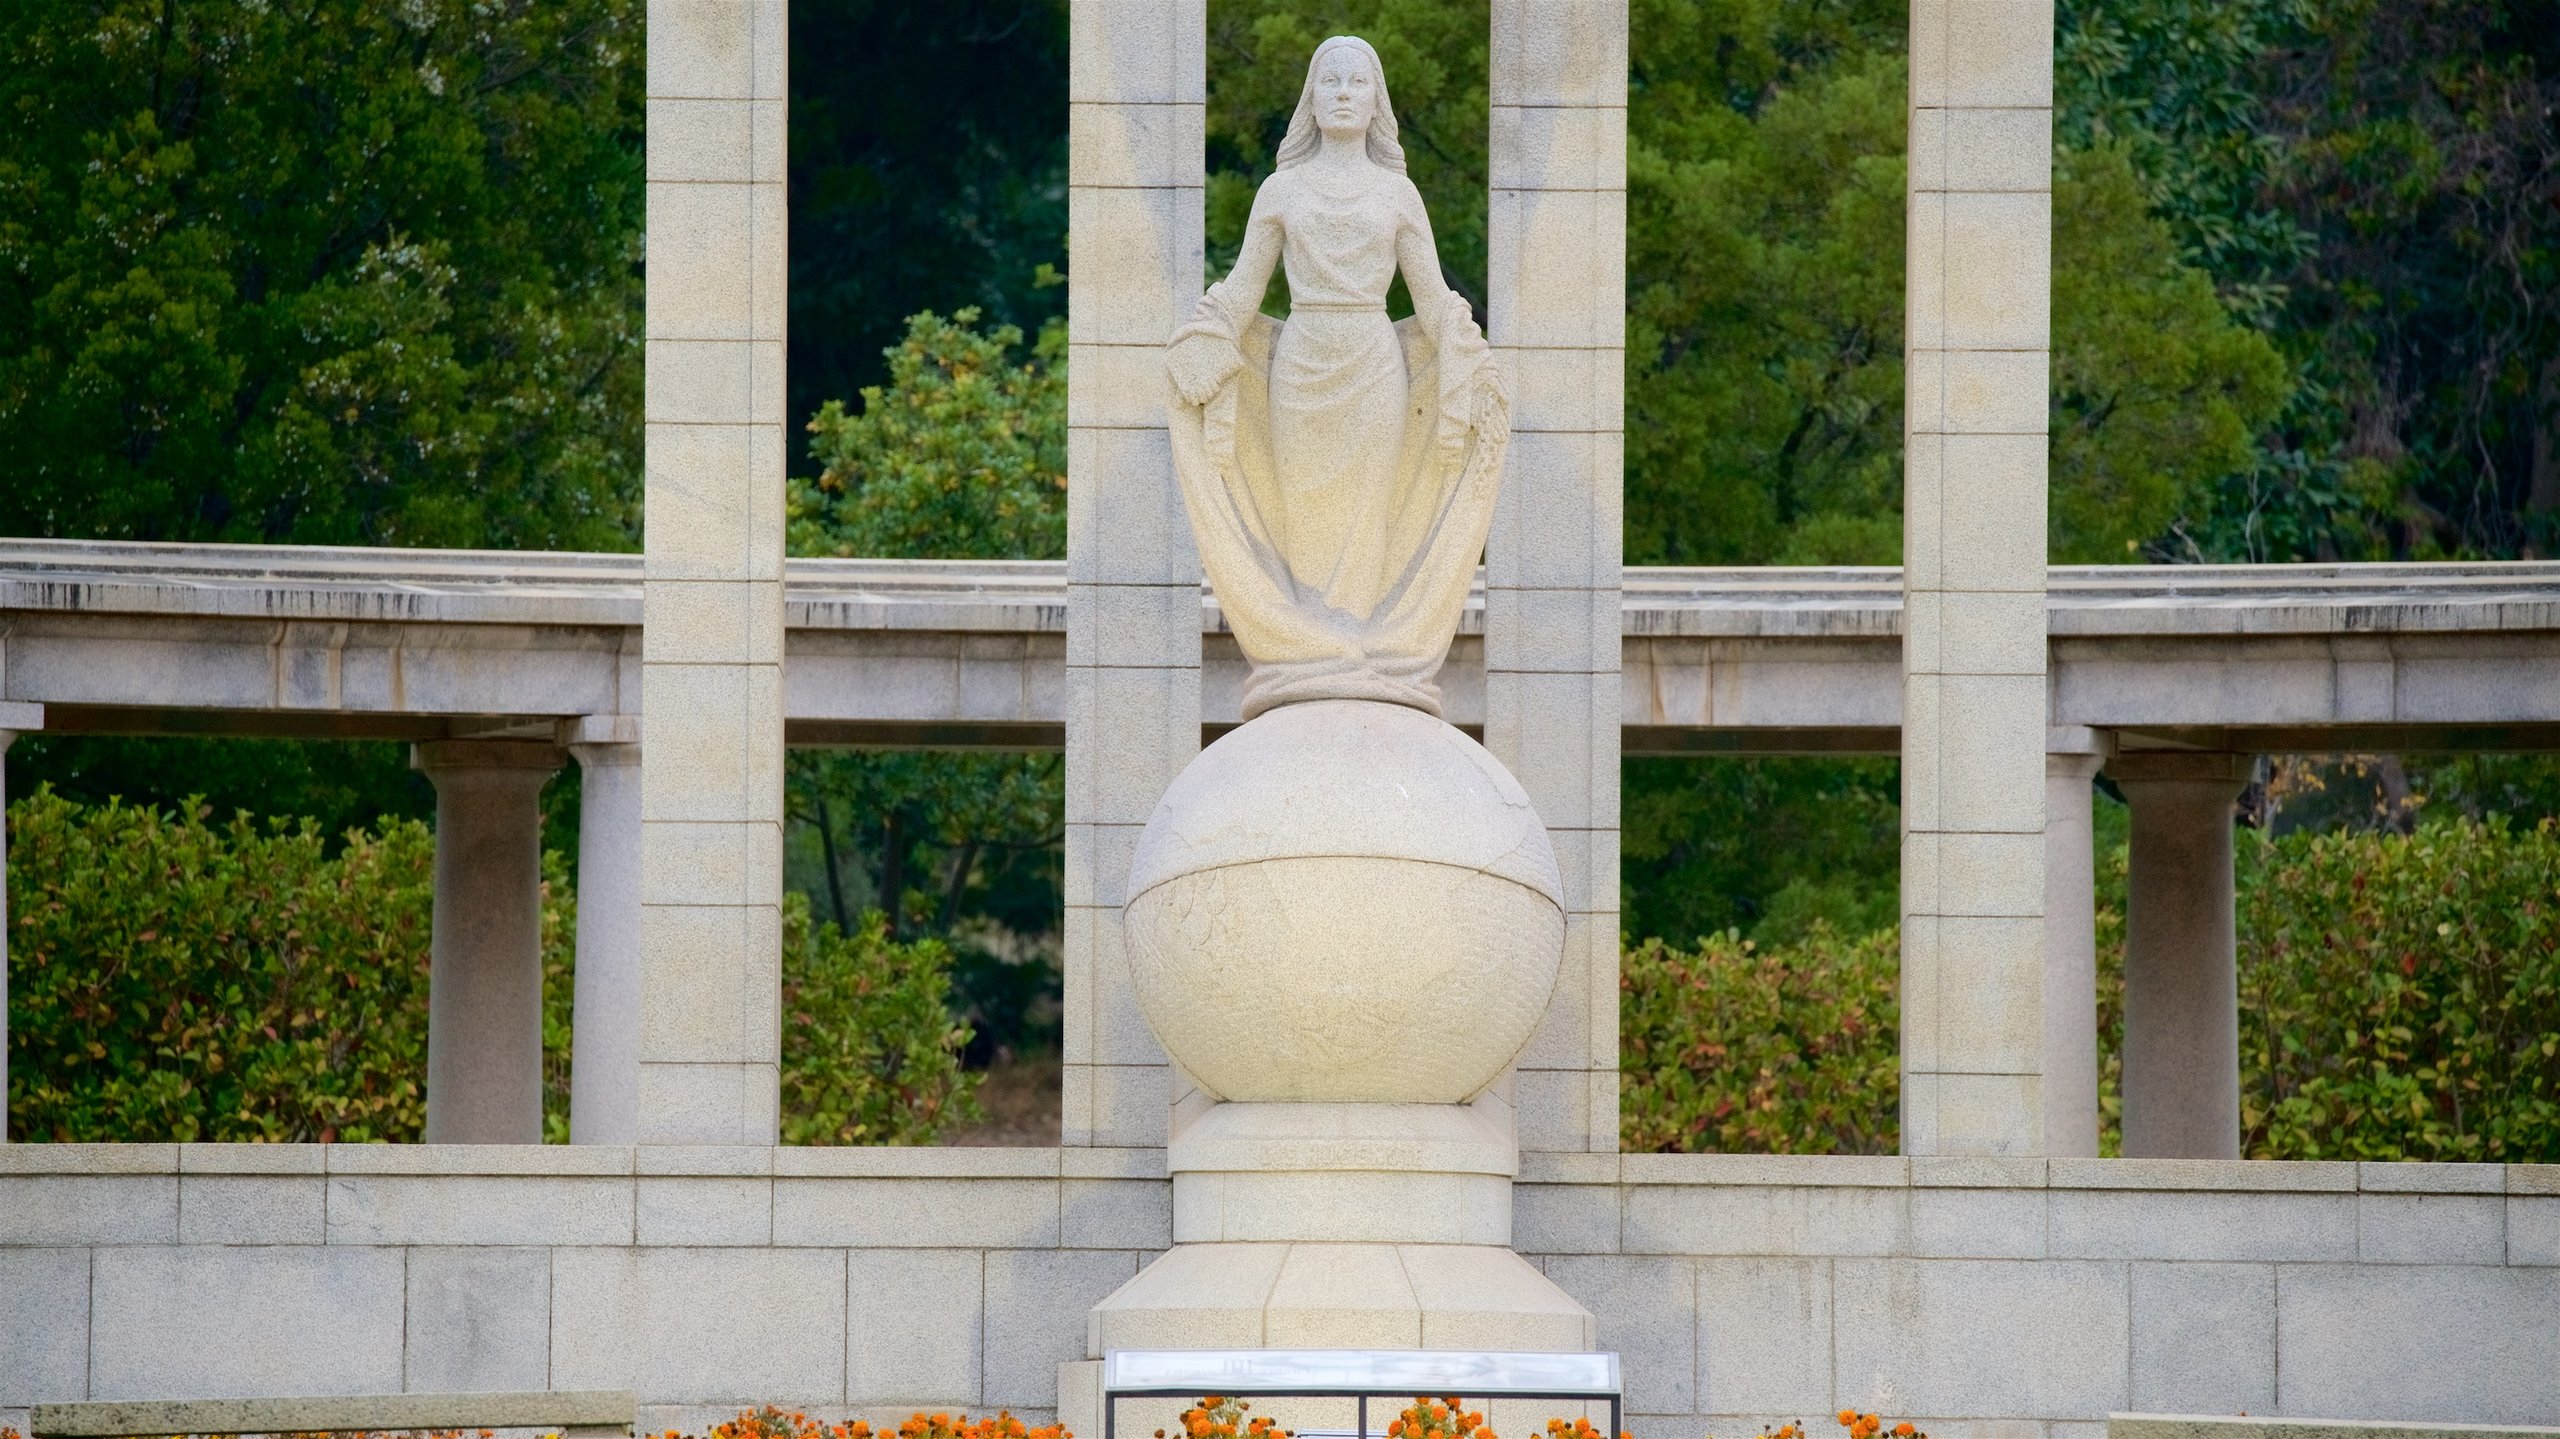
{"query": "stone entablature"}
pixel 2037 1295
pixel 405 643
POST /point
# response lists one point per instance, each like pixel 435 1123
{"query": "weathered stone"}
pixel 219 1323
pixel 478 1320
pixel 2204 1338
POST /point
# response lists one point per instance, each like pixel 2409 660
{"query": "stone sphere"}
pixel 1344 900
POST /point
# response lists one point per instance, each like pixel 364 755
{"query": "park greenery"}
pixel 370 274
pixel 2399 999
pixel 178 976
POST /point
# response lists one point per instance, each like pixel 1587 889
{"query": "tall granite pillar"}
pixel 14 717
pixel 1976 294
pixel 2072 757
pixel 604 1060
pixel 711 658
pixel 484 969
pixel 2181 962
pixel 1136 87
pixel 1556 317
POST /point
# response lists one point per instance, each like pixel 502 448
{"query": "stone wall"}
pixel 2009 1297
pixel 2023 1295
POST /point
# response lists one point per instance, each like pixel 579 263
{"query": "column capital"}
pixel 440 756
pixel 599 730
pixel 2076 751
pixel 2183 767
pixel 16 718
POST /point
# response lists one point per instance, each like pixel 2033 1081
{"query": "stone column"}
pixel 1556 315
pixel 711 643
pixel 604 1063
pixel 1976 295
pixel 2181 959
pixel 14 717
pixel 1136 86
pixel 484 971
pixel 2072 757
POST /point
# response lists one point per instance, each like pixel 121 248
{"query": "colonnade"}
pixel 2181 1054
pixel 484 998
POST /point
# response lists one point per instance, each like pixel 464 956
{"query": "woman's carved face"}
pixel 1346 91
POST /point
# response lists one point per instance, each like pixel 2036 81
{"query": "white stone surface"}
pixel 1979 1336
pixel 478 1320
pixel 2203 1338
pixel 484 998
pixel 44 1325
pixel 1555 310
pixel 1323 890
pixel 1976 341
pixel 1764 1336
pixel 2181 965
pixel 711 679
pixel 1130 702
pixel 916 1326
pixel 604 1067
pixel 1433 1296
pixel 2194 1259
pixel 1340 470
pixel 2347 1336
pixel 1036 1303
pixel 209 1322
pixel 654 1320
pixel 251 1209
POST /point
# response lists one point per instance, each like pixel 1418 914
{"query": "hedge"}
pixel 2399 999
pixel 176 978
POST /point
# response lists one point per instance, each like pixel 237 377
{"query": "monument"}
pixel 1344 919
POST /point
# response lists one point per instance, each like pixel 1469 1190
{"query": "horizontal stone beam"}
pixel 331 643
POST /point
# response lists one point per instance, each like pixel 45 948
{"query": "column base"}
pixel 1341 1226
pixel 1339 1296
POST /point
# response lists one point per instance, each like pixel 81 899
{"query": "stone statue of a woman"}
pixel 1340 469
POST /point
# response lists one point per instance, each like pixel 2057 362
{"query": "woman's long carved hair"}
pixel 1303 137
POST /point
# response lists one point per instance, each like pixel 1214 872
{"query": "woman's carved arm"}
pixel 1419 257
pixel 1239 295
pixel 1202 356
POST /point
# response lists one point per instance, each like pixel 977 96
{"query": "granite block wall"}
pixel 1980 1296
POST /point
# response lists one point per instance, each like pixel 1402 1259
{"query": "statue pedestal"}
pixel 1341 1226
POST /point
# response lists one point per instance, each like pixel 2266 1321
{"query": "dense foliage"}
pixel 2399 999
pixel 342 272
pixel 173 977
pixel 177 978
pixel 870 1054
pixel 1731 1047
pixel 928 170
pixel 2399 994
pixel 962 453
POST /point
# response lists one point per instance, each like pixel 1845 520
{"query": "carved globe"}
pixel 1344 900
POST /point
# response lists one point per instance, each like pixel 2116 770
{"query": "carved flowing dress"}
pixel 1342 477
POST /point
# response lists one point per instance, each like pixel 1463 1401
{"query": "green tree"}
pixel 928 169
pixel 179 978
pixel 961 454
pixel 337 273
pixel 1764 384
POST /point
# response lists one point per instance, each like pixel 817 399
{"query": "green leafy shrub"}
pixel 870 1053
pixel 1785 1050
pixel 176 979
pixel 2399 995
pixel 2399 999
pixel 962 453
pixel 172 978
